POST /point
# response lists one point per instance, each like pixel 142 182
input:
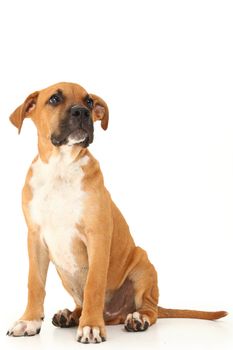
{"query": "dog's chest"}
pixel 57 205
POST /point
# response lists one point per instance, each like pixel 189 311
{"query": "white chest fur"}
pixel 57 205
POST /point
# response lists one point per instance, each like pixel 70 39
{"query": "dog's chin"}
pixel 77 137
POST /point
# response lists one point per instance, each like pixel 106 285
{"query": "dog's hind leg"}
pixel 144 278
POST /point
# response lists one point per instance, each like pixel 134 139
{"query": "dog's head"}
pixel 63 114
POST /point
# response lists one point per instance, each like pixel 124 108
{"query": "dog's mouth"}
pixel 78 136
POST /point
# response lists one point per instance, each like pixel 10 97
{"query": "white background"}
pixel 165 68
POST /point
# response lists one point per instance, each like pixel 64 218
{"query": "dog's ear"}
pixel 24 110
pixel 100 111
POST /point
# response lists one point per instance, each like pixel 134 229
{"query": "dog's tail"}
pixel 175 313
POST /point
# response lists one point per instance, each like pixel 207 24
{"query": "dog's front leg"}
pixel 91 324
pixel 30 323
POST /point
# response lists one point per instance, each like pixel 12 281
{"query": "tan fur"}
pixel 111 266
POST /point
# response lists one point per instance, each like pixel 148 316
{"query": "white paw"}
pixel 136 322
pixel 88 335
pixel 24 328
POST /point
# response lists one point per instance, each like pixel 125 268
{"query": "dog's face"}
pixel 63 114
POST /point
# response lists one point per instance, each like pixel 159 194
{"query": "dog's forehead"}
pixel 68 89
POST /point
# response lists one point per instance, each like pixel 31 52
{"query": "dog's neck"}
pixel 47 150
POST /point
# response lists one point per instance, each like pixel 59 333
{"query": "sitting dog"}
pixel 73 222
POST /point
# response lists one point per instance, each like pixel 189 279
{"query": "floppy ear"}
pixel 100 111
pixel 23 111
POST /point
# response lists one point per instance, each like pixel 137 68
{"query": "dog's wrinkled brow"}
pixel 59 92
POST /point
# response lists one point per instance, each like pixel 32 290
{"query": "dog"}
pixel 73 222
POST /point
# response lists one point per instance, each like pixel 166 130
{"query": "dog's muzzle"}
pixel 76 128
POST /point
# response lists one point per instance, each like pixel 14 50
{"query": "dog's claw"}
pixel 138 325
pixel 63 321
pixel 146 325
pixel 54 321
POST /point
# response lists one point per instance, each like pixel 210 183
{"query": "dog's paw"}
pixel 88 335
pixel 25 328
pixel 64 319
pixel 136 322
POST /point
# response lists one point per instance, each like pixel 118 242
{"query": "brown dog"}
pixel 73 222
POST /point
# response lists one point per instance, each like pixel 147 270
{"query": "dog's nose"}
pixel 77 111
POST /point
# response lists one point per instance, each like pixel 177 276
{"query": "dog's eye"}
pixel 55 99
pixel 89 102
